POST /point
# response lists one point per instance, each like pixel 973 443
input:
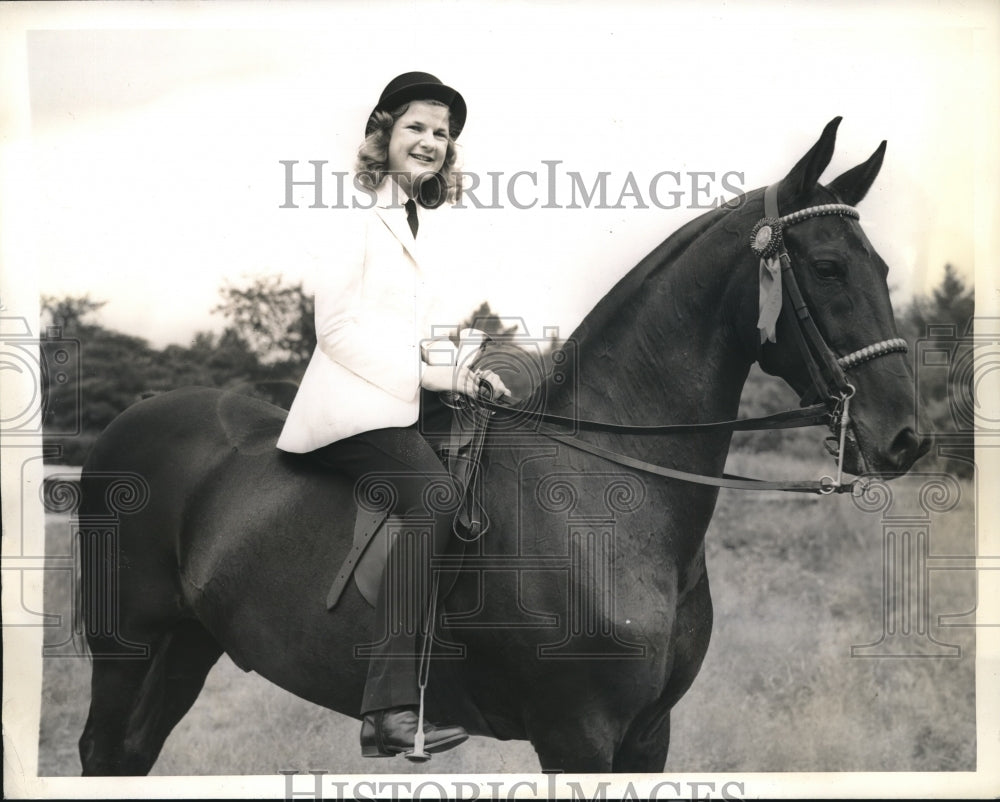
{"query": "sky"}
pixel 153 136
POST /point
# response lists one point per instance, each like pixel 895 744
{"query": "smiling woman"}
pixel 411 136
pixel 417 149
pixel 356 410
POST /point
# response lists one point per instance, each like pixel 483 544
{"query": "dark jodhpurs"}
pixel 404 459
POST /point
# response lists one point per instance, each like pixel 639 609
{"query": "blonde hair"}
pixel 373 159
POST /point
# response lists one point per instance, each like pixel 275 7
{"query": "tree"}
pixel 952 298
pixel 951 302
pixel 68 313
pixel 91 374
pixel 942 322
pixel 274 319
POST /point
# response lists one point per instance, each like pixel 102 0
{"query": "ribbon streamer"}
pixel 769 303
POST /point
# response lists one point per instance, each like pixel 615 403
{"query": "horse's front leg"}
pixel 645 744
pixel 576 717
pixel 573 744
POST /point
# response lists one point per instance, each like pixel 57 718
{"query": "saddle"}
pixel 460 451
pixel 455 428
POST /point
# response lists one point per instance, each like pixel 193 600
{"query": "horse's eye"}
pixel 826 268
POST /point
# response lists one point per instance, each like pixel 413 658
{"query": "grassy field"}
pixel 796 581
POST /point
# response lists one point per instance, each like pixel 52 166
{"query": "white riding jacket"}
pixel 379 300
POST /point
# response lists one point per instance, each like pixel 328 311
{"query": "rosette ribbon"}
pixel 766 242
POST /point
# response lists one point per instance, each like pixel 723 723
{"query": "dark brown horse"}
pixel 583 615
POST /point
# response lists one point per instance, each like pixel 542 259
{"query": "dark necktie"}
pixel 411 216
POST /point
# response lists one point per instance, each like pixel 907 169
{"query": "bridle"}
pixel 826 370
pixel 829 385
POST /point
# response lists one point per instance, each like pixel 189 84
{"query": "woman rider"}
pixel 358 404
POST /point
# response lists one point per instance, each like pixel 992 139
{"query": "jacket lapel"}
pixel 389 208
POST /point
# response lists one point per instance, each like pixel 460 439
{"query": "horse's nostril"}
pixel 907 448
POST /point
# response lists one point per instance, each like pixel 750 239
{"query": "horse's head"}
pixel 843 285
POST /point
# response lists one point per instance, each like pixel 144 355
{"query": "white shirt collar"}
pixel 390 195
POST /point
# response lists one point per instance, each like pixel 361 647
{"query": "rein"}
pixel 790 419
pixel 810 416
pixel 826 371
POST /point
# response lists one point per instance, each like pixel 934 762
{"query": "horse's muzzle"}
pixel 907 448
pixel 904 450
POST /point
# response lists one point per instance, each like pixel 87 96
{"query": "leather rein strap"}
pixel 814 415
pixel 809 416
pixel 727 480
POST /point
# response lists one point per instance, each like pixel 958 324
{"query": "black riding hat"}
pixel 420 86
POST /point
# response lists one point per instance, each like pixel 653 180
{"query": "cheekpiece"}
pixel 765 239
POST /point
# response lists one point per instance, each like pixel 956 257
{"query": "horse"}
pixel 584 613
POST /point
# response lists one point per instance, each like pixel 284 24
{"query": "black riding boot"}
pixel 385 733
pixel 392 692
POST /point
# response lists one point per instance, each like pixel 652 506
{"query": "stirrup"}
pixel 418 754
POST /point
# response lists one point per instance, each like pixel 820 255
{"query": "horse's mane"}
pixel 662 257
pixel 611 311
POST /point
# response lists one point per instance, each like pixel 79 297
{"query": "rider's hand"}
pixel 446 379
pixel 469 382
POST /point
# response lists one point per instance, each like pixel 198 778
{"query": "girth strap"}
pixel 367 524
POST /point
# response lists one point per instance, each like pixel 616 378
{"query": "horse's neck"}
pixel 662 347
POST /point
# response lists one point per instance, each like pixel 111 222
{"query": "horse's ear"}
pixel 804 175
pixel 853 185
